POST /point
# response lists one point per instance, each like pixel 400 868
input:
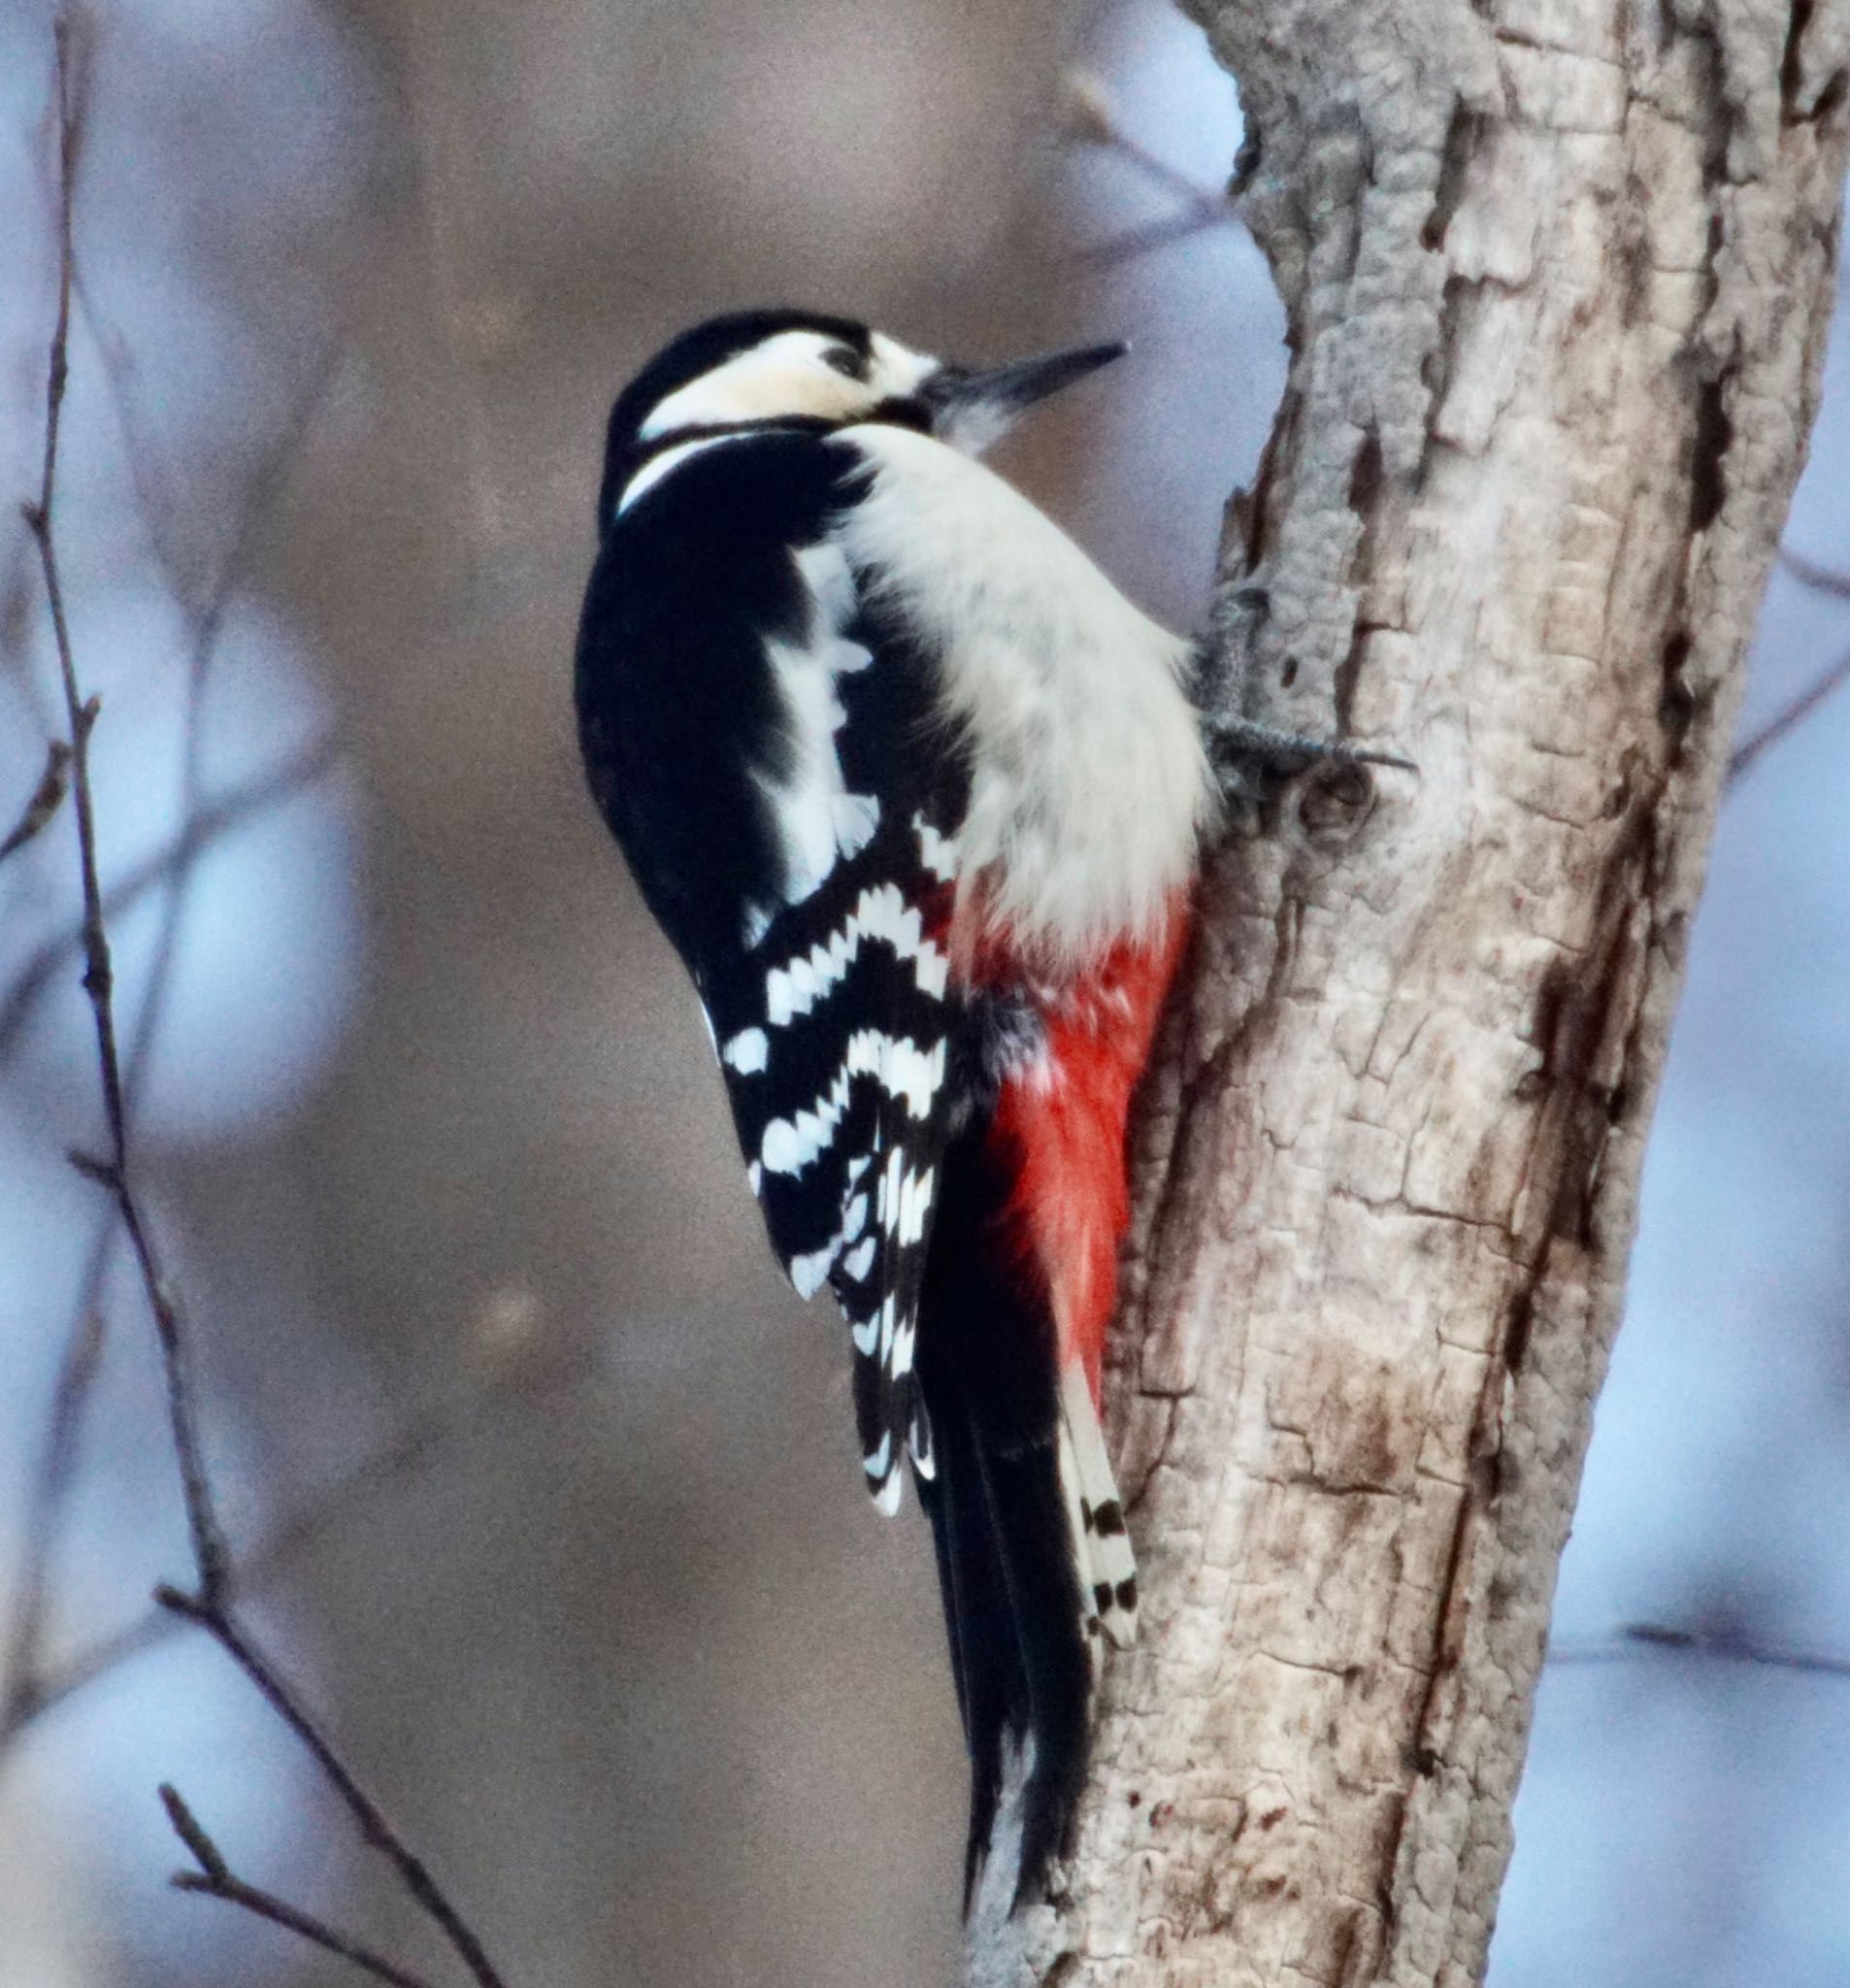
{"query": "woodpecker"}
pixel 917 795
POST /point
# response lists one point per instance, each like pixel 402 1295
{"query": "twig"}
pixel 1087 116
pixel 1787 719
pixel 98 976
pixel 1826 580
pixel 207 1605
pixel 175 866
pixel 208 1550
pixel 47 799
pixel 412 1873
pixel 50 1483
pixel 1142 241
pixel 323 1515
pixel 216 1879
pixel 1633 1640
pixel 207 826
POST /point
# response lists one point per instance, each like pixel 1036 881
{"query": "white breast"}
pixel 1090 786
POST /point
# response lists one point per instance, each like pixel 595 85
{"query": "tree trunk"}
pixel 1558 275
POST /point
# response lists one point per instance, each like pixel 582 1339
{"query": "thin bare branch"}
pixel 48 797
pixel 1131 242
pixel 26 1692
pixel 1787 719
pixel 1633 1640
pixel 411 1870
pixel 1824 580
pixel 206 1605
pixel 176 867
pixel 323 1515
pixel 214 1879
pixel 209 1549
pixel 208 826
pixel 1087 116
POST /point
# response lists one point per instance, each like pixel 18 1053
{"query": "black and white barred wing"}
pixel 837 1028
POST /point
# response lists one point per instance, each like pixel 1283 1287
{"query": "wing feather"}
pixel 838 1030
pixel 728 652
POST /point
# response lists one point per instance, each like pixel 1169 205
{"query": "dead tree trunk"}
pixel 1558 275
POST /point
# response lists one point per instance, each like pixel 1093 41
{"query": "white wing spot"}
pixel 889 1322
pixel 916 1201
pixel 905 1070
pixel 938 853
pixel 918 1444
pixel 881 913
pixel 817 821
pixel 856 817
pixel 747 1052
pixel 809 1271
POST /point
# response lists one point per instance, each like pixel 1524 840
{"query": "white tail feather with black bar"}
pixel 1101 1545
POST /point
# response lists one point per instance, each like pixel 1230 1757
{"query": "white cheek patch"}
pixel 786 374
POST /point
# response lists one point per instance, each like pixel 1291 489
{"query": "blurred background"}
pixel 549 1483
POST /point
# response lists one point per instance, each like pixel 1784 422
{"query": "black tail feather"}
pixel 985 1655
pixel 1012 1605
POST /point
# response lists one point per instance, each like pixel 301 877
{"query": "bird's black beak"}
pixel 971 407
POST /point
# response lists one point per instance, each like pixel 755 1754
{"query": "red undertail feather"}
pixel 1064 1117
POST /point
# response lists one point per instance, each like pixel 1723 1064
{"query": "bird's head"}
pixel 772 368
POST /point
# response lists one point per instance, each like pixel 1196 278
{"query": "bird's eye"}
pixel 843 361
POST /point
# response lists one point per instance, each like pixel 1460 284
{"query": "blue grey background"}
pixel 429 1125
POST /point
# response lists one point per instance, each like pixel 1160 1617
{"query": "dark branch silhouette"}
pixel 1824 580
pixel 1633 1640
pixel 207 1604
pixel 1087 118
pixel 202 825
pixel 1821 579
pixel 216 1879
pixel 48 797
pixel 323 1515
pixel 1787 719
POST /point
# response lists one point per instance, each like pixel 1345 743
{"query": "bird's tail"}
pixel 1032 1559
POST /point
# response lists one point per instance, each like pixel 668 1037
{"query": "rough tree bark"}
pixel 1557 275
